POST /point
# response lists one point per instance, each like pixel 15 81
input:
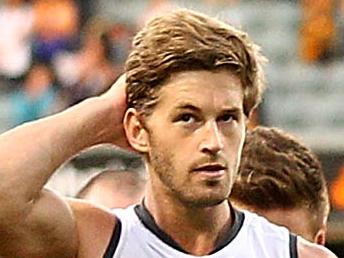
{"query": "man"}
pixel 191 83
pixel 114 188
pixel 281 179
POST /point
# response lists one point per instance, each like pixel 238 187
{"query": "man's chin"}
pixel 205 202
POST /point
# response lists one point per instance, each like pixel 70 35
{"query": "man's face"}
pixel 196 133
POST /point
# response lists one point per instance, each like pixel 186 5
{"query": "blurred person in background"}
pixel 114 188
pixel 120 35
pixel 36 98
pixel 90 71
pixel 317 30
pixel 281 179
pixel 16 28
pixel 337 190
pixel 56 27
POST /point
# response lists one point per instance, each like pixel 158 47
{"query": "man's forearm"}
pixel 29 154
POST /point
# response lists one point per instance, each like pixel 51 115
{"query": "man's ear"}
pixel 320 236
pixel 135 131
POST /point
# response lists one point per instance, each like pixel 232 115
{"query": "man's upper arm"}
pixel 95 225
pixel 307 249
pixel 47 229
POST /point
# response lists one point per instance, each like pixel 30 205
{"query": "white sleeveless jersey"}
pixel 252 236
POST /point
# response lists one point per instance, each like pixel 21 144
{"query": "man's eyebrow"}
pixel 187 106
pixel 232 110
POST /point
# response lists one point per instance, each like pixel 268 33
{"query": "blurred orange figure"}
pixel 317 29
pixel 55 27
pixel 337 190
pixel 55 18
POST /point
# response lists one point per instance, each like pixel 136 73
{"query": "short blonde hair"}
pixel 186 40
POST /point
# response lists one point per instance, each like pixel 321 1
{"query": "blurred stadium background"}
pixel 54 54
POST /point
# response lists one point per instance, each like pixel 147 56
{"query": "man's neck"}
pixel 195 230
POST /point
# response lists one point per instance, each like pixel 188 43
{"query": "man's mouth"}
pixel 211 170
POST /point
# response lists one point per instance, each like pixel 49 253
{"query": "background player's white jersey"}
pixel 251 236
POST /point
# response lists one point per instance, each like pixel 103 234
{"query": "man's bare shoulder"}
pixel 95 226
pixel 307 249
pixel 45 227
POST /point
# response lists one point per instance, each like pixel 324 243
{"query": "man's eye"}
pixel 187 118
pixel 227 118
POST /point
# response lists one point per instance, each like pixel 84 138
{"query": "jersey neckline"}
pixel 148 221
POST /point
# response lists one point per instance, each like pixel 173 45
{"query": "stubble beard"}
pixel 162 164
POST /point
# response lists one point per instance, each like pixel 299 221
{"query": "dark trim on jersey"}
pixel 111 249
pixel 293 246
pixel 233 231
pixel 148 221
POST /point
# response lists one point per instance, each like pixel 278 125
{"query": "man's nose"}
pixel 212 141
